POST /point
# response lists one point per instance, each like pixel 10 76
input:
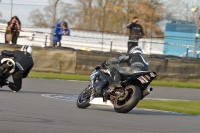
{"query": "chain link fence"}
pixel 182 45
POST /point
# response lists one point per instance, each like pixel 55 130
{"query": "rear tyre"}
pixel 84 98
pixel 126 103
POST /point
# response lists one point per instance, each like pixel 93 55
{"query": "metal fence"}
pixel 82 39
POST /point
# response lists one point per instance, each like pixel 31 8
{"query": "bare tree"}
pixel 38 18
pixel 51 14
pixel 113 15
pixel 103 15
pixel 181 10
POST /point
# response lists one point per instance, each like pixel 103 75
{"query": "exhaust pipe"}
pixel 147 91
pixel 9 63
pixel 6 66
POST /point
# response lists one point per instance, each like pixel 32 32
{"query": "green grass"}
pixel 87 78
pixel 186 107
pixel 58 76
pixel 176 84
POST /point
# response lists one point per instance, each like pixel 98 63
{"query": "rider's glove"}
pixel 98 67
pixel 104 64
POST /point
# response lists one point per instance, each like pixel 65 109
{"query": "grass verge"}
pixel 58 76
pixel 87 78
pixel 187 107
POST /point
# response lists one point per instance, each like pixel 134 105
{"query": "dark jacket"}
pixel 23 58
pixel 136 31
pixel 58 32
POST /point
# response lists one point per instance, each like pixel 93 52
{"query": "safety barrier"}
pixel 66 60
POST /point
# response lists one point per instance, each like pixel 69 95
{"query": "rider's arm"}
pixel 112 61
pixel 7 53
pixel 117 60
pixel 123 58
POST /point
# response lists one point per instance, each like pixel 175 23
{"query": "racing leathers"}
pixel 134 62
pixel 25 61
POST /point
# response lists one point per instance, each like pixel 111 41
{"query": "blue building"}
pixel 179 38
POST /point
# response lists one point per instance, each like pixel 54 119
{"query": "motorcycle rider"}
pixel 134 60
pixel 24 60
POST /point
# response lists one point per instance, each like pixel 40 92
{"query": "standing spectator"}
pixel 13 29
pixel 136 32
pixel 59 30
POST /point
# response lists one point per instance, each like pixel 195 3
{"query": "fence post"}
pixel 111 45
pixel 45 43
pixel 32 39
pixel 187 51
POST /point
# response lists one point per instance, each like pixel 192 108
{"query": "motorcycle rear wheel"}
pixel 84 98
pixel 129 101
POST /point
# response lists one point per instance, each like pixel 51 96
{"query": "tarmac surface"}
pixel 49 106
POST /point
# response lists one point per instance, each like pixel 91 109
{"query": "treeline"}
pixel 102 15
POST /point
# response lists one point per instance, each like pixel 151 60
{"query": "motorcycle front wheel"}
pixel 129 100
pixel 84 98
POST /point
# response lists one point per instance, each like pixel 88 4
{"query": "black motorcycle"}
pixel 134 87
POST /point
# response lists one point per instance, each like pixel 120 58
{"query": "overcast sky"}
pixel 32 2
pixel 46 2
pixel 22 8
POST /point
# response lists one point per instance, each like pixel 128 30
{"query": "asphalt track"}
pixel 48 106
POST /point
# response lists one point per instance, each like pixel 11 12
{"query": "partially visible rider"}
pixel 134 61
pixel 24 60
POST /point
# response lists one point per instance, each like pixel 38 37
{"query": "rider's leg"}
pixel 17 78
pixel 116 78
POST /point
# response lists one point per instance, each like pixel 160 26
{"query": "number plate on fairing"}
pixel 147 77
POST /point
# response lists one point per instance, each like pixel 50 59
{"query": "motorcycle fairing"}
pixel 141 79
pixel 98 81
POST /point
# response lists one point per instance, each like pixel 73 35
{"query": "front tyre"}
pixel 84 98
pixel 129 100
